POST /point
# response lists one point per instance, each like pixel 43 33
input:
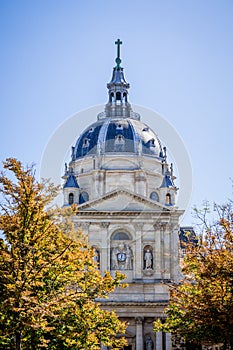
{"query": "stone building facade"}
pixel 124 188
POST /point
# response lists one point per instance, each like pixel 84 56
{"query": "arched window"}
pixel 71 198
pixel 85 142
pixel 120 236
pixel 154 196
pixel 83 197
pixel 118 96
pixel 168 199
pixel 85 146
pixel 112 97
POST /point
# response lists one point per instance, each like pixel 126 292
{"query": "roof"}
pixel 167 182
pixel 71 181
pixel 118 135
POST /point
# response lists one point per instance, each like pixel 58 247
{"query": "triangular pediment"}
pixel 122 200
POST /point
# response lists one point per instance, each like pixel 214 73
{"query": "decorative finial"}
pixel 165 153
pixel 118 60
pixel 171 170
pixel 72 152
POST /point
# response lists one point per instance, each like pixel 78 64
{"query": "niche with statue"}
pixel 148 259
pixel 121 252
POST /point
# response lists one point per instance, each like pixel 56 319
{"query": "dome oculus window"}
pixel 85 143
pixel 154 196
pixel 152 142
pixel 119 126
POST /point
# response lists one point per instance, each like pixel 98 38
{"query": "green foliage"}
pixel 49 282
pixel 201 305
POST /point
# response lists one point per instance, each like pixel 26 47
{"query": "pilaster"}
pixel 168 341
pixel 138 250
pixel 159 341
pixel 105 259
pixel 139 333
pixel 162 262
pixel 157 250
pixel 167 251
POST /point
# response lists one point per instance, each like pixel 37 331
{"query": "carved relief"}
pixel 85 225
pixel 139 320
pixel 105 224
pixel 122 257
pixel 139 226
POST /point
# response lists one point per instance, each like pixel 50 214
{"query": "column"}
pixel 139 333
pixel 168 341
pixel 159 341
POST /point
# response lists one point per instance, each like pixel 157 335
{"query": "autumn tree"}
pixel 49 281
pixel 201 303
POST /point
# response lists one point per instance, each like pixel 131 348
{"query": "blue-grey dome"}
pixel 118 135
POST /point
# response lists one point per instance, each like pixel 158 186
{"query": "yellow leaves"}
pixel 201 305
pixel 49 281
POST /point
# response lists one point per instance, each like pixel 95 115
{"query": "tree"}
pixel 49 281
pixel 201 304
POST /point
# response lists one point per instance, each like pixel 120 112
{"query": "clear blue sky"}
pixel 57 56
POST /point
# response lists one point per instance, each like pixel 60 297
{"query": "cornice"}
pixel 122 213
pixel 135 303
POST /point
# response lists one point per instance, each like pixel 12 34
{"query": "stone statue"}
pixel 122 257
pixel 129 258
pixel 148 258
pixel 149 344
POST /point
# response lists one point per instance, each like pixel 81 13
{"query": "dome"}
pixel 118 151
pixel 118 135
pixel 118 130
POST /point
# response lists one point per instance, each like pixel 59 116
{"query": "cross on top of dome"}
pixel 118 60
